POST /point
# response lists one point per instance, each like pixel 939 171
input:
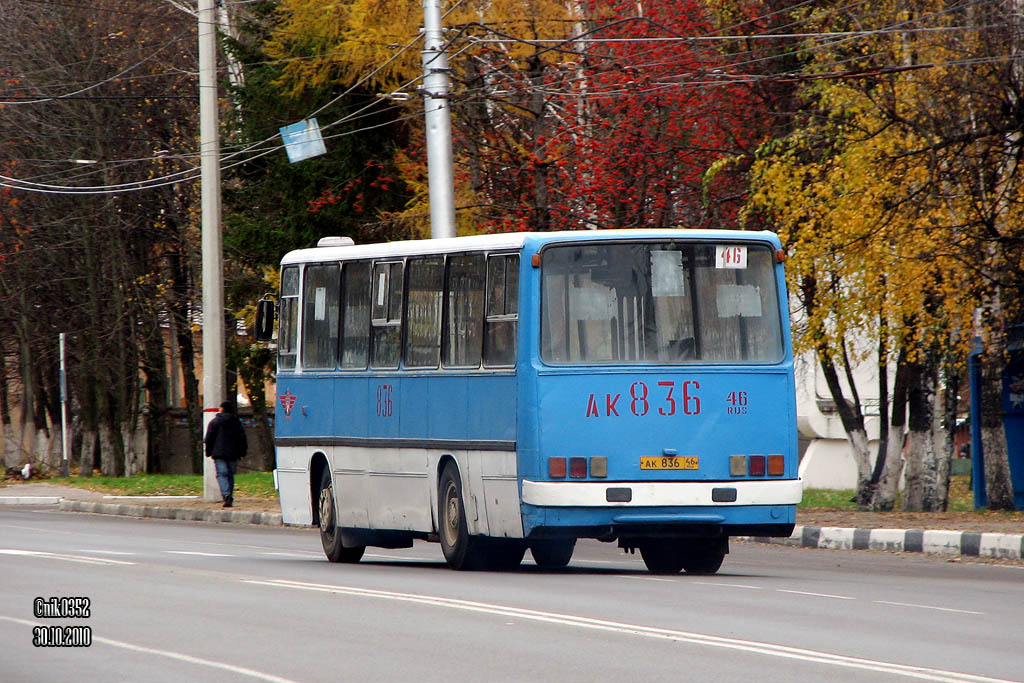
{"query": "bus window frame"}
pixel 288 330
pixel 504 316
pixel 346 265
pixel 446 313
pixel 406 327
pixel 760 244
pixel 377 323
pixel 304 327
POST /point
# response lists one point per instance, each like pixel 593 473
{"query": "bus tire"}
pixel 505 554
pixel 330 533
pixel 461 551
pixel 663 556
pixel 705 556
pixel 552 553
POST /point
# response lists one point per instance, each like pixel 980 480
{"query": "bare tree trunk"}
pixel 186 353
pixel 852 418
pixel 922 450
pixel 26 437
pixel 6 430
pixel 889 478
pixel 993 435
pixel 156 384
pixel 90 440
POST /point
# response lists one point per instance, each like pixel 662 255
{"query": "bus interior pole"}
pixel 437 117
pixel 213 265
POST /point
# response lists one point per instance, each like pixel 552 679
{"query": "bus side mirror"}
pixel 265 319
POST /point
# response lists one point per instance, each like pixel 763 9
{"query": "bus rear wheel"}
pixel 461 551
pixel 552 553
pixel 696 556
pixel 705 556
pixel 330 534
pixel 663 556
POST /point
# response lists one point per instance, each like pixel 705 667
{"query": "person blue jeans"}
pixel 226 477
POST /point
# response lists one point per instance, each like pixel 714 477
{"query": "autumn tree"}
pixel 97 100
pixel 877 193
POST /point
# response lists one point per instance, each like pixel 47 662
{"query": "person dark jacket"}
pixel 225 437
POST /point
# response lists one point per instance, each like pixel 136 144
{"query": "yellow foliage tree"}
pixel 881 214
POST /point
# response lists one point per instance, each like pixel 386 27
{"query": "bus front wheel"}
pixel 330 534
pixel 461 551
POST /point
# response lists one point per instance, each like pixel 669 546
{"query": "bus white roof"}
pixel 511 240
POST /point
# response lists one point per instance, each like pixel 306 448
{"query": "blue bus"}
pixel 499 393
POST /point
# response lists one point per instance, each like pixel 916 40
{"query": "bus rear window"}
pixel 659 302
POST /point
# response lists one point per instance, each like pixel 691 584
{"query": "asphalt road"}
pixel 173 601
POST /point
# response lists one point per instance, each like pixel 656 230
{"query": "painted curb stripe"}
pixel 968 543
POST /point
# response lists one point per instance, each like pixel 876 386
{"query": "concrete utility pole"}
pixel 213 260
pixel 437 112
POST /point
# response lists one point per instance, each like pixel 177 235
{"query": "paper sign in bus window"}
pixel 742 301
pixel 320 303
pixel 667 273
pixel 382 287
pixel 592 304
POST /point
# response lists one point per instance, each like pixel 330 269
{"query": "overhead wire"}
pixel 257 151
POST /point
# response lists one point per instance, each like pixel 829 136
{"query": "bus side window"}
pixel 386 330
pixel 464 326
pixel 287 345
pixel 320 316
pixel 502 310
pixel 423 317
pixel 355 331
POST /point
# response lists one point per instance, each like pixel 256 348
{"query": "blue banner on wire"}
pixel 302 140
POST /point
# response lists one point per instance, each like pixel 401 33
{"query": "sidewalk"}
pixel 187 508
pixel 975 543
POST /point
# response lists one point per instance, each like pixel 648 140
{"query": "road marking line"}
pixel 60 556
pixel 816 595
pixel 728 585
pixel 194 552
pixel 173 655
pixel 645 578
pixel 103 552
pixel 751 646
pixel 941 609
pixel 33 528
pixel 400 558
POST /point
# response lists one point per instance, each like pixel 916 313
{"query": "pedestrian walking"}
pixel 225 443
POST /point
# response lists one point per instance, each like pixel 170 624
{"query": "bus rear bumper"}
pixel 631 494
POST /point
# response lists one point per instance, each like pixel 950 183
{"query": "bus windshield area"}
pixel 659 302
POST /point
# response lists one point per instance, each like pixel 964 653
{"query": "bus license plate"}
pixel 670 462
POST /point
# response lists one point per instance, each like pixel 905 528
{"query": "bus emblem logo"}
pixel 288 402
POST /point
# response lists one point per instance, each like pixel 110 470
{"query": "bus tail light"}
pixel 578 468
pixel 756 463
pixel 737 465
pixel 776 465
pixel 599 467
pixel 556 468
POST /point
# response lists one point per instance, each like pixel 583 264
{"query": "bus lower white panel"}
pixel 396 489
pixel 646 494
pixel 491 493
pixel 293 487
pixel 504 517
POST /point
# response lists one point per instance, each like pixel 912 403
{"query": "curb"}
pixel 30 500
pixel 966 543
pixel 164 512
pixel 960 543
